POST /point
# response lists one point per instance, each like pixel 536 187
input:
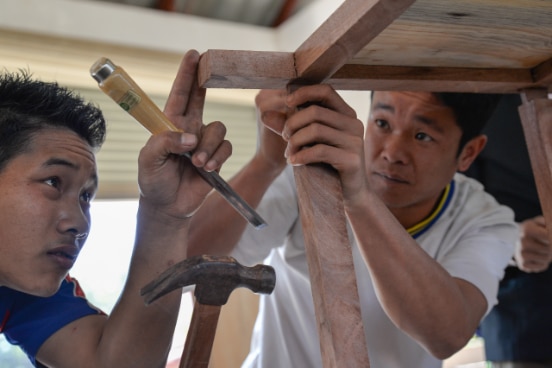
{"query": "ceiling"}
pixel 267 13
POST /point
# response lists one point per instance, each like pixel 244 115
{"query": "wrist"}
pixel 160 218
pixel 266 167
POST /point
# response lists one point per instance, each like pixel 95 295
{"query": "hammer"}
pixel 214 277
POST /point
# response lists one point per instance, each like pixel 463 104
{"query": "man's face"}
pixel 44 211
pixel 411 146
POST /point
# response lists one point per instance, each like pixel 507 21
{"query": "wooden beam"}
pixel 245 69
pixel 536 118
pixel 263 69
pixel 543 74
pixel 351 27
pixel 329 254
pixel 331 268
pixel 432 79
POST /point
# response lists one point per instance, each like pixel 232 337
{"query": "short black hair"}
pixel 28 106
pixel 471 111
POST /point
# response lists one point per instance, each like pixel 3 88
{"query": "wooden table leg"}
pixel 536 118
pixel 330 261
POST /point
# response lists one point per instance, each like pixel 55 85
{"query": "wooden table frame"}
pixel 500 46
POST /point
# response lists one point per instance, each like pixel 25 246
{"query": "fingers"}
pixel 328 109
pixel 163 145
pixel 327 130
pixel 321 95
pixel 316 126
pixel 539 220
pixel 212 150
pixel 272 110
pixel 534 251
pixel 186 100
pixel 531 263
pixel 534 230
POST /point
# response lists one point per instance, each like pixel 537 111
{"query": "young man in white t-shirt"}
pixel 429 244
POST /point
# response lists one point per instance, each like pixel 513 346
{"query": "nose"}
pixel 395 149
pixel 75 220
pixel 81 236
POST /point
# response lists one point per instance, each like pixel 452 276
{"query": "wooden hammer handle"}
pixel 201 335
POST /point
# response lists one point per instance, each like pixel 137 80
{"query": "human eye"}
pixel 87 196
pixel 381 123
pixel 54 182
pixel 423 137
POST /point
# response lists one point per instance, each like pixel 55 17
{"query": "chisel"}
pixel 118 85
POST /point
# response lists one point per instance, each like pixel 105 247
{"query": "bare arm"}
pixel 422 298
pixel 170 191
pixel 217 227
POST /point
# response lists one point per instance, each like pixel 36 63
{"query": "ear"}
pixel 470 151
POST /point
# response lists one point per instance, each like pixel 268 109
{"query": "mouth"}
pixel 65 256
pixel 391 177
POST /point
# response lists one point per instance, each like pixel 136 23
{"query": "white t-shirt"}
pixel 473 239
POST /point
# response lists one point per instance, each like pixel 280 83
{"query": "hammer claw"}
pixel 214 277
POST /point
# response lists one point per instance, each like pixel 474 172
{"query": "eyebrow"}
pixel 427 121
pixel 382 106
pixel 420 118
pixel 55 161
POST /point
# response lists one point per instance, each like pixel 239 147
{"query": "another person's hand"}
pixel 168 181
pixel 534 251
pixel 272 113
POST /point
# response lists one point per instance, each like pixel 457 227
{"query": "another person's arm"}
pixel 135 335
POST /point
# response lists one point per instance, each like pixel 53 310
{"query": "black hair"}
pixel 471 111
pixel 28 106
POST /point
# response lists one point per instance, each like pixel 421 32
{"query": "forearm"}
pixel 217 227
pixel 144 333
pixel 418 295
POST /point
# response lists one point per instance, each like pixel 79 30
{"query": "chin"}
pixel 46 288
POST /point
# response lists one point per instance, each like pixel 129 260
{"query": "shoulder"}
pixel 31 320
pixel 471 214
pixel 472 201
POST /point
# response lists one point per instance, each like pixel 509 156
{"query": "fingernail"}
pixel 188 139
pixel 211 165
pixel 202 157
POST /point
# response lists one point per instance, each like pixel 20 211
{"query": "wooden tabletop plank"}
pixel 465 33
pixel 353 25
pixel 472 45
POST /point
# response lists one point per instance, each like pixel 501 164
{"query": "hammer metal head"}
pixel 214 277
